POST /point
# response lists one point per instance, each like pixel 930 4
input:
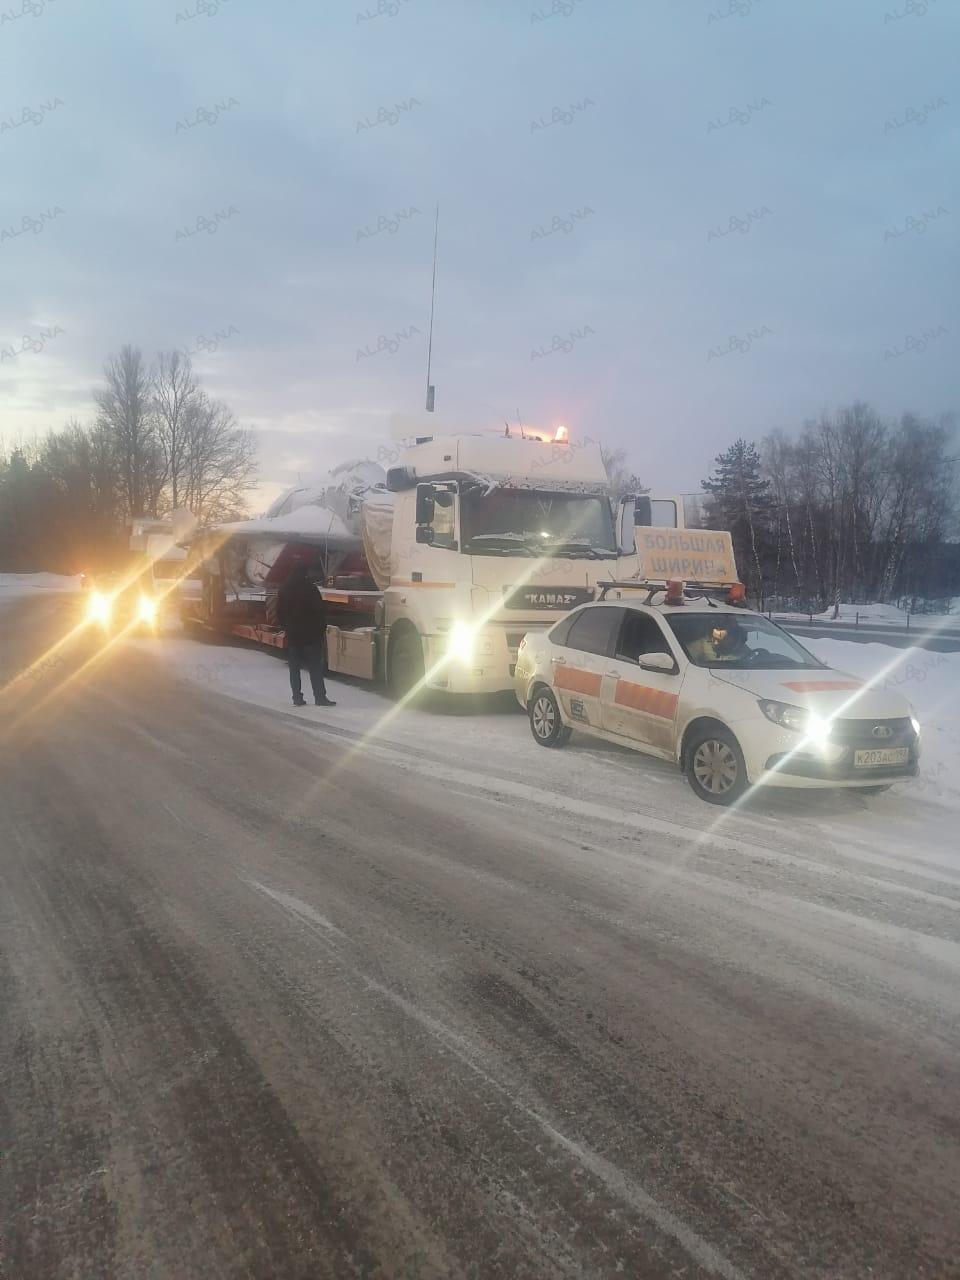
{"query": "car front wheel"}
pixel 714 766
pixel 545 723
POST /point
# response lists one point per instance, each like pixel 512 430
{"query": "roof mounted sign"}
pixel 693 555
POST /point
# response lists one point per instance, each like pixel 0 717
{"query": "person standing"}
pixel 302 614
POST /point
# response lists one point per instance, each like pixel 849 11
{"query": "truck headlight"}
pixel 98 608
pixel 461 642
pixel 815 729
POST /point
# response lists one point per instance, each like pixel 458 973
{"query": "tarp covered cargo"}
pixel 376 527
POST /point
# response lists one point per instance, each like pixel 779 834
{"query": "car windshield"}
pixel 740 641
pixel 533 523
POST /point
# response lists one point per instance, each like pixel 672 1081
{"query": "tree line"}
pixel 853 508
pixel 158 442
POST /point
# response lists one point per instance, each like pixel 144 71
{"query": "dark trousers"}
pixel 314 657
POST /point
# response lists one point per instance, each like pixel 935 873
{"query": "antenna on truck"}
pixel 433 297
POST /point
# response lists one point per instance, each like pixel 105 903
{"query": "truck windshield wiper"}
pixel 511 538
pixel 499 544
pixel 573 549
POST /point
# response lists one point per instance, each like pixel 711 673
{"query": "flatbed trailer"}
pixel 354 637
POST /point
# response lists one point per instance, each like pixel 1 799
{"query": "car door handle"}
pixel 615 674
pixel 561 662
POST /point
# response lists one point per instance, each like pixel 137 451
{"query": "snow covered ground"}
pixel 882 615
pixel 20 584
pixel 911 828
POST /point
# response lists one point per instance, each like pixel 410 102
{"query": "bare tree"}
pixel 175 391
pixel 219 461
pixel 126 413
pixel 621 480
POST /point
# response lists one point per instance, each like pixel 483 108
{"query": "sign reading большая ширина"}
pixel 694 555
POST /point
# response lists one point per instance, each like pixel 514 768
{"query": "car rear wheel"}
pixel 545 723
pixel 715 767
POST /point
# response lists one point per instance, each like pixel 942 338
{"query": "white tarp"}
pixel 376 526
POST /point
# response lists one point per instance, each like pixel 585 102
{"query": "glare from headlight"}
pixel 148 609
pixel 818 730
pixel 460 642
pixel 916 725
pixel 98 609
pixel 815 728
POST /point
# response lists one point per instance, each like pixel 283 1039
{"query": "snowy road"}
pixel 333 993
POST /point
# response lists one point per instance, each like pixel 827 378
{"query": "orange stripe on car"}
pixel 821 686
pixel 640 697
pixel 577 681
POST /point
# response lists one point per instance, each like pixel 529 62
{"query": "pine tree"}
pixel 741 501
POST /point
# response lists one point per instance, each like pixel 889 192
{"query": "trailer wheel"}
pixel 405 666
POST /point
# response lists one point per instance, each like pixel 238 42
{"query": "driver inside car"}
pixel 723 642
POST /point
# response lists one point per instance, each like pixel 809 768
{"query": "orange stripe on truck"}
pixel 640 697
pixel 577 681
pixel 821 686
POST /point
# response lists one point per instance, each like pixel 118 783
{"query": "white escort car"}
pixel 716 687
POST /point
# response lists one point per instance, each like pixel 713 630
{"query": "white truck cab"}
pixel 493 537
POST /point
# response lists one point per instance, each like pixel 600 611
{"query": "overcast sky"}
pixel 663 222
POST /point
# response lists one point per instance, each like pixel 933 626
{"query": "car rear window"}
pixel 594 629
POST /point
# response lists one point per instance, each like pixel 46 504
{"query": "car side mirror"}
pixel 426 504
pixel 658 662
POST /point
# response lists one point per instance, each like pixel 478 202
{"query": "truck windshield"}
pixel 534 523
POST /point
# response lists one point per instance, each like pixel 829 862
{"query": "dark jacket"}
pixel 301 611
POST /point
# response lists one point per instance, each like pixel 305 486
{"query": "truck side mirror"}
pixel 642 510
pixel 425 534
pixel 426 504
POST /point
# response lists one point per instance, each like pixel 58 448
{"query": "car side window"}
pixel 640 633
pixel 594 629
pixel 558 634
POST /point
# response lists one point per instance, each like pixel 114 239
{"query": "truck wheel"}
pixel 545 723
pixel 405 662
pixel 715 767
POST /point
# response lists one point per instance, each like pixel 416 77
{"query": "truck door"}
pixel 579 667
pixel 638 702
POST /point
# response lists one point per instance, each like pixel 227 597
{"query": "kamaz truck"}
pixel 435 568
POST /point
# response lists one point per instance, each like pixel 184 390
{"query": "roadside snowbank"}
pixel 19 584
pixel 879 615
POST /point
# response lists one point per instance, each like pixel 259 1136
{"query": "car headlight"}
pixel 98 608
pixel 815 729
pixel 915 724
pixel 148 609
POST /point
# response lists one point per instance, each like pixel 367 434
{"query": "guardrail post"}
pixel 856 620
